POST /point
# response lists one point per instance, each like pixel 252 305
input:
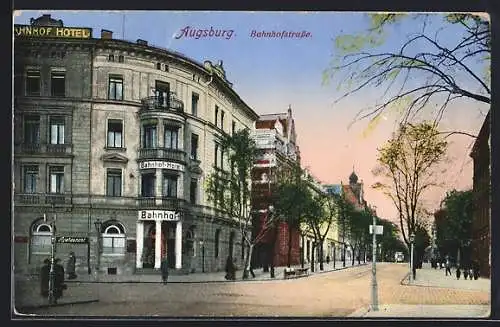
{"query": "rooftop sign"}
pixel 52 32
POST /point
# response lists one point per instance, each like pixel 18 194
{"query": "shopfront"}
pixel 159 234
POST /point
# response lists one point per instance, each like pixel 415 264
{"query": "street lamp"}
pixel 412 240
pixel 98 226
pixel 202 246
pixel 52 271
pixel 270 211
pixel 374 264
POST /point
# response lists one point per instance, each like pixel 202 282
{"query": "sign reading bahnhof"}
pixel 159 215
pixel 51 31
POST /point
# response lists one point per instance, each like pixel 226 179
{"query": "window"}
pixel 158 65
pixel 233 128
pixel 114 182
pixel 162 91
pixel 216 154
pixel 57 130
pixel 33 82
pixel 171 137
pixel 216 114
pixel 32 129
pixel 115 91
pixel 221 165
pixel 148 185
pixel 30 176
pixel 193 188
pixel 111 57
pixel 169 185
pixel 194 147
pixel 115 133
pixel 222 119
pixel 121 59
pixel 41 239
pixel 149 140
pixel 56 182
pixel 217 237
pixel 113 240
pixel 194 104
pixel 58 83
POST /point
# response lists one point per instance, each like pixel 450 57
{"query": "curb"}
pixel 60 304
pixel 406 282
pixel 208 281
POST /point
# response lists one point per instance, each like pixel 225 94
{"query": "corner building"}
pixel 134 180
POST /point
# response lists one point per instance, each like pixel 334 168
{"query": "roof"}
pixel 351 197
pixel 333 189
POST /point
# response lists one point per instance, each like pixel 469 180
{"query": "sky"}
pixel 271 74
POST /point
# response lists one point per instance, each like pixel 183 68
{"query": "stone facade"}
pixel 115 91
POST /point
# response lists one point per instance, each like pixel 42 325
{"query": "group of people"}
pixel 469 270
pixel 59 274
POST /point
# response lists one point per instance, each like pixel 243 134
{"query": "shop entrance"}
pixel 148 256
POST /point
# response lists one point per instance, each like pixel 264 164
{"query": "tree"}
pixel 389 241
pixel 291 200
pixel 230 190
pixel 359 230
pixel 456 229
pixel 422 241
pixel 346 211
pixel 407 162
pixel 433 66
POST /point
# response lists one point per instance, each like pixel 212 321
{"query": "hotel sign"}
pixel 159 215
pixel 52 31
pixel 161 165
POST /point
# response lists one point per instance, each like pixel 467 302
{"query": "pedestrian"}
pixel 466 272
pixel 458 272
pixel 448 266
pixel 471 273
pixel 475 267
pixel 70 265
pixel 44 278
pixel 164 270
pixel 235 268
pixel 59 285
pixel 327 259
pixel 229 268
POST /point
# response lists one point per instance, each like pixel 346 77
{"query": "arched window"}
pixel 217 238
pixel 113 239
pixel 41 238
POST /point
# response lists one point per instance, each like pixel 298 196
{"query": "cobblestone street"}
pixel 332 294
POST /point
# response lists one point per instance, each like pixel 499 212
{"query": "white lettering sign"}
pixel 161 165
pixel 159 215
pixel 379 230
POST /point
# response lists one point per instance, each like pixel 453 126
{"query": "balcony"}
pixel 162 153
pixel 42 198
pixel 163 104
pixel 167 203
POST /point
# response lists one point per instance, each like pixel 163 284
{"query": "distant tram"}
pixel 399 257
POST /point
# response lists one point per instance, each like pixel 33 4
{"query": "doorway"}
pixel 162 90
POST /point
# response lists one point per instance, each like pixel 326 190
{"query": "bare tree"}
pixel 428 69
pixel 407 163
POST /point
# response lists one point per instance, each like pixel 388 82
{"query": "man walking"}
pixel 164 270
pixel 448 266
pixel 70 265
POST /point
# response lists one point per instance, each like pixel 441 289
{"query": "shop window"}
pixel 113 240
pixel 41 239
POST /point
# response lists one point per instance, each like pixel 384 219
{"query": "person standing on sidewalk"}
pixel 44 278
pixel 70 265
pixel 164 270
pixel 448 266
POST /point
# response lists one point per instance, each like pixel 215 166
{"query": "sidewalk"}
pixel 193 277
pixel 429 277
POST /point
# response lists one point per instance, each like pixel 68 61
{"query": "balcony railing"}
pixel 163 103
pixel 168 203
pixel 162 153
pixel 31 148
pixel 42 198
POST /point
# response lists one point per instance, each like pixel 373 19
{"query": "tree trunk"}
pixel 353 255
pixel 343 254
pixel 313 248
pixel 273 250
pixel 302 253
pixel 289 245
pixel 321 256
pixel 246 270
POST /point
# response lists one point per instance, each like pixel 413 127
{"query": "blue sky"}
pixel 270 74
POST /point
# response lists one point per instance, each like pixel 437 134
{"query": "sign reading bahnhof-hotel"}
pixel 159 215
pixel 52 31
pixel 160 165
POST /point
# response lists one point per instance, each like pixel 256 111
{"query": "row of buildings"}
pixel 113 141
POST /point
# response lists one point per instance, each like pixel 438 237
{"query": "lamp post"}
pixel 374 265
pixel 98 226
pixel 412 240
pixel 202 245
pixel 270 211
pixel 52 272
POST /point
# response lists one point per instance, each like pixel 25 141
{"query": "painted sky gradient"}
pixel 271 74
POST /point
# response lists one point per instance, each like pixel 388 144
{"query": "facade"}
pixel 276 140
pixel 125 172
pixel 481 246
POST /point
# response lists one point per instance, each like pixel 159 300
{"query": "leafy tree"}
pixel 407 162
pixel 389 241
pixel 346 211
pixel 430 67
pixel 359 231
pixel 422 241
pixel 230 190
pixel 291 200
pixel 456 229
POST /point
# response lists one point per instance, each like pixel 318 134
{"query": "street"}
pixel 333 294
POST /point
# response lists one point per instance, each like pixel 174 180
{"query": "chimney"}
pixel 142 42
pixel 106 34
